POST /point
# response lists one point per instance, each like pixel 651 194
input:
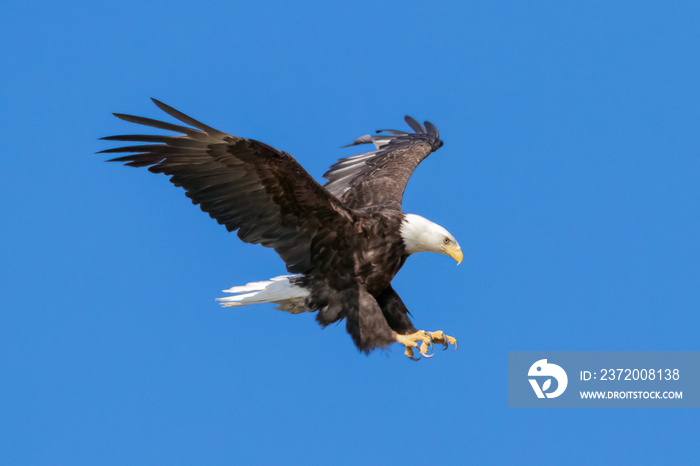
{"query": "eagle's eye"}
pixel 446 240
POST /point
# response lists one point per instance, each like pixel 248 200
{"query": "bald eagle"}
pixel 342 243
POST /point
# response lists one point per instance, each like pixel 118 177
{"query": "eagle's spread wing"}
pixel 379 178
pixel 244 184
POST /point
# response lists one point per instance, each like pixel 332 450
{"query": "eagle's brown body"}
pixel 343 241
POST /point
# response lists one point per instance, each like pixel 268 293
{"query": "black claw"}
pixel 430 349
pixel 456 345
pixel 411 354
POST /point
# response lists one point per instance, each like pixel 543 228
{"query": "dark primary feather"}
pixel 379 178
pixel 415 126
pixel 244 184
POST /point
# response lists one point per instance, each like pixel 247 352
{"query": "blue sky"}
pixel 570 175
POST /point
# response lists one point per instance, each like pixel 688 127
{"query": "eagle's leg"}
pixel 442 338
pixel 411 341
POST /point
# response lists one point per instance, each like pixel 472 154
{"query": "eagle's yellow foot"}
pixel 411 341
pixel 442 338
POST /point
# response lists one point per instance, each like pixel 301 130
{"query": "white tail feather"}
pixel 278 290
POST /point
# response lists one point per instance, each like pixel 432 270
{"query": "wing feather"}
pixel 379 177
pixel 415 126
pixel 244 184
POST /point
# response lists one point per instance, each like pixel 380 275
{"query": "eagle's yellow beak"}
pixel 454 252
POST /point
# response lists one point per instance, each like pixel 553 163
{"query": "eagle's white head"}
pixel 421 235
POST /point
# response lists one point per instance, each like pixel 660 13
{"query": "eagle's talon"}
pixel 443 339
pixel 409 353
pixel 426 343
